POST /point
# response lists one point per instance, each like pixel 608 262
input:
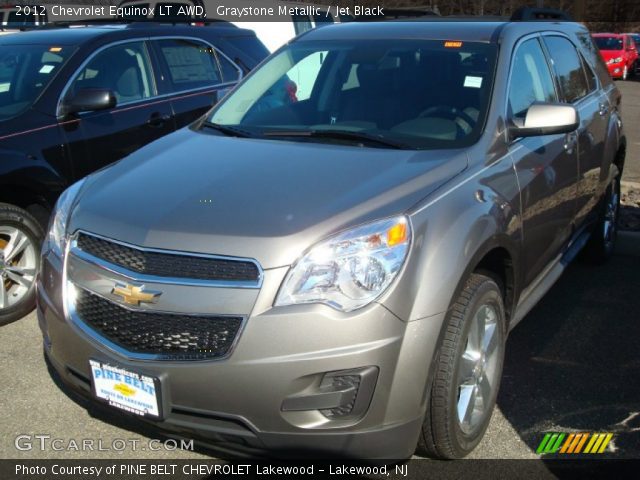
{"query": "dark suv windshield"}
pixel 25 71
pixel 609 43
pixel 415 93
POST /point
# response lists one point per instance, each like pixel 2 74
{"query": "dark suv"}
pixel 73 100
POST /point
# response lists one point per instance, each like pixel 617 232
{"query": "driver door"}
pixel 546 166
pixel 99 138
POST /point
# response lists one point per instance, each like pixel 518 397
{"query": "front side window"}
pixel 191 64
pixel 531 80
pixel 568 68
pixel 25 71
pixel 417 93
pixel 124 69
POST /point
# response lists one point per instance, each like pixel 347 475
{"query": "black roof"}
pixel 476 31
pixel 436 28
pixel 69 35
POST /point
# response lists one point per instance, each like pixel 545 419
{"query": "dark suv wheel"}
pixel 20 239
pixel 468 371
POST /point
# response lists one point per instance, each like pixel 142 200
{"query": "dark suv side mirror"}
pixel 546 119
pixel 88 100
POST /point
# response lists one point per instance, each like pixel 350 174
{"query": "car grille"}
pixel 169 264
pixel 171 336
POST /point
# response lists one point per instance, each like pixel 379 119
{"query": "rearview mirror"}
pixel 546 119
pixel 88 100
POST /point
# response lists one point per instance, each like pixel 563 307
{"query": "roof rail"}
pixel 528 14
pixel 398 13
pixel 138 23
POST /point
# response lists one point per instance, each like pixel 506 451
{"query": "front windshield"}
pixel 25 71
pixel 416 93
pixel 609 43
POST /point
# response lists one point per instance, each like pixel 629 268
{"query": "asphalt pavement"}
pixel 571 365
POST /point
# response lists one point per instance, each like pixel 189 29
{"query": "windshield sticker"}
pixel 472 82
pixel 47 68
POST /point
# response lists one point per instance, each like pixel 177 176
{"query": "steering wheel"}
pixel 451 113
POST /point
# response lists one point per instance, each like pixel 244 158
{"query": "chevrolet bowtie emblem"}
pixel 134 294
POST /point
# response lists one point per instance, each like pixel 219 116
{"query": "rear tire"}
pixel 20 240
pixel 603 238
pixel 467 371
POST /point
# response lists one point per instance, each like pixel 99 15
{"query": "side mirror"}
pixel 546 119
pixel 88 100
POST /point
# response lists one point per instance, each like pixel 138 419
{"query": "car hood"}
pixel 265 199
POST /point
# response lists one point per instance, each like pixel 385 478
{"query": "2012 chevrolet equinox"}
pixel 330 261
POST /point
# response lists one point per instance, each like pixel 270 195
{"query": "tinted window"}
pixel 191 64
pixel 420 93
pixel 592 53
pixel 608 43
pixel 124 69
pixel 25 71
pixel 230 72
pixel 568 68
pixel 531 79
pixel 592 83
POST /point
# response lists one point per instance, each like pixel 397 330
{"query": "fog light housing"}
pixel 341 395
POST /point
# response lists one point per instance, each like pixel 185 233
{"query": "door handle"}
pixel 603 109
pixel 158 120
pixel 570 141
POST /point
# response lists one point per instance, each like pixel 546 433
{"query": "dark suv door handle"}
pixel 603 110
pixel 158 120
pixel 570 142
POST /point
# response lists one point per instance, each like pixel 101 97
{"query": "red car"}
pixel 619 53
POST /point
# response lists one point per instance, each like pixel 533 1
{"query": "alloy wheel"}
pixel 478 374
pixel 18 265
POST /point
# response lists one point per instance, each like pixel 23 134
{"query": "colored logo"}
pixel 135 294
pixel 574 443
pixel 125 390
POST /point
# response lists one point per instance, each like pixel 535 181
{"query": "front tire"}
pixel 20 239
pixel 468 371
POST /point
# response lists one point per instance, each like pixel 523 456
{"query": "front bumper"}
pixel 281 353
pixel 616 70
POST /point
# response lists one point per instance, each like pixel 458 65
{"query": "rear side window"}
pixel 230 72
pixel 594 58
pixel 568 68
pixel 124 69
pixel 531 79
pixel 191 64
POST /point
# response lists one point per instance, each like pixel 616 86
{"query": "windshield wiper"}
pixel 340 135
pixel 228 130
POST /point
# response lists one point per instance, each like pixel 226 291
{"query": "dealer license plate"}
pixel 129 391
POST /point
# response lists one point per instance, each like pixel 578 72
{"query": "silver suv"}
pixel 329 262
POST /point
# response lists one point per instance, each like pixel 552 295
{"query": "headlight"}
pixel 617 60
pixel 351 269
pixel 58 226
